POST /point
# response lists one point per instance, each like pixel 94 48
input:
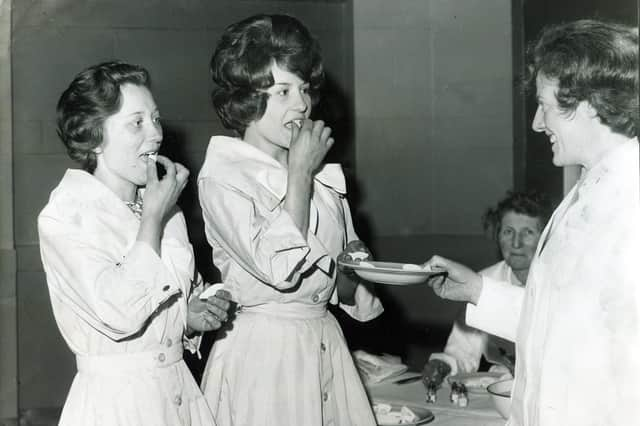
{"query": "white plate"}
pixel 476 382
pixel 388 272
pixel 424 415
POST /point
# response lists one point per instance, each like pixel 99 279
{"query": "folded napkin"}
pixel 376 368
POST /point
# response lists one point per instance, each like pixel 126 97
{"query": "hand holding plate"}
pixel 460 283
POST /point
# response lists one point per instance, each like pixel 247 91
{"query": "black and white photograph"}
pixel 319 213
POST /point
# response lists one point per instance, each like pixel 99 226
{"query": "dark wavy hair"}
pixel 92 97
pixel 531 203
pixel 241 65
pixel 591 61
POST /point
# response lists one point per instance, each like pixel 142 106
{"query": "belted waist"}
pixel 125 362
pixel 288 310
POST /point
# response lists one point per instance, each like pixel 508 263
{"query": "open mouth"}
pixel 298 123
pixel 151 155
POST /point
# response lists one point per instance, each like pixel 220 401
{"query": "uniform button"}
pixel 325 396
pixel 315 298
pixel 166 288
pixel 177 400
pixel 162 357
pixel 169 343
pixel 323 347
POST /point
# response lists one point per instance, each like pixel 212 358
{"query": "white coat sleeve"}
pixel 498 309
pixel 270 247
pixel 115 295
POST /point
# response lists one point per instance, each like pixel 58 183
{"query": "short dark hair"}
pixel 241 65
pixel 531 203
pixel 92 97
pixel 591 61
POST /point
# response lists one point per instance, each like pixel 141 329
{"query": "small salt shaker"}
pixel 463 398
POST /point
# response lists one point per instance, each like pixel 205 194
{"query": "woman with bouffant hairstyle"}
pixel 241 66
pixel 278 220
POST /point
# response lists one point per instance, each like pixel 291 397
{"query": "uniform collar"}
pixel 239 165
pixel 78 184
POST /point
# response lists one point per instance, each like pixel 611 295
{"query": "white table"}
pixel 479 411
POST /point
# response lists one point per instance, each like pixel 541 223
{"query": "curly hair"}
pixel 92 97
pixel 241 65
pixel 591 61
pixel 531 203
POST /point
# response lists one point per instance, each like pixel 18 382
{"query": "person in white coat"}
pixel 515 223
pixel 577 324
pixel 119 266
pixel 277 220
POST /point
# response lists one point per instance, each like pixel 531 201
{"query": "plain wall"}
pixel 434 139
pixel 55 39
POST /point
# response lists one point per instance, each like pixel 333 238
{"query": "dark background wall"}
pixel 434 145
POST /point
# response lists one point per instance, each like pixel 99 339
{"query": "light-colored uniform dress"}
pixel 578 339
pixel 121 309
pixel 284 360
pixel 466 345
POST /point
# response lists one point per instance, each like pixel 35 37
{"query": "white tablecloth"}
pixel 479 411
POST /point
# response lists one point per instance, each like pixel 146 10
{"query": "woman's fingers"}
pixel 329 143
pixel 211 323
pixel 221 303
pixel 295 131
pixel 152 172
pixel 217 312
pixel 325 134
pixel 182 176
pixel 169 167
pixel 437 262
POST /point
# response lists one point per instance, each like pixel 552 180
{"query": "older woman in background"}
pixel 516 224
pixel 119 265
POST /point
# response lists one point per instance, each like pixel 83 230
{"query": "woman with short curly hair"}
pixel 119 266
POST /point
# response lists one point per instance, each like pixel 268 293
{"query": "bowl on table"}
pixel 501 396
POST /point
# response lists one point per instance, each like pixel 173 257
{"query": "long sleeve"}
pixel 498 309
pixel 114 295
pixel 266 242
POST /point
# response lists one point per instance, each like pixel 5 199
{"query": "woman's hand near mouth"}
pixel 160 198
pixel 307 150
